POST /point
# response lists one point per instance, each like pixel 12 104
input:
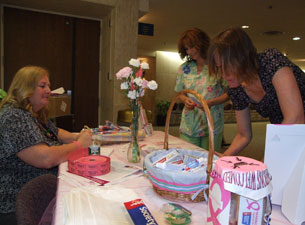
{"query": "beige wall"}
pixel 167 64
pixel 123 46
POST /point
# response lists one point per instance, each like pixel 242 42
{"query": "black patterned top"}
pixel 19 130
pixel 269 61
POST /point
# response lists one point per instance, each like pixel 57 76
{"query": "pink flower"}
pixel 145 84
pixel 132 87
pixel 124 73
pixel 139 73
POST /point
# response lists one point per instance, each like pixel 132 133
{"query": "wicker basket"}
pixel 176 195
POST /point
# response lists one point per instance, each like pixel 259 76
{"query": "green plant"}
pixel 162 107
pixel 2 94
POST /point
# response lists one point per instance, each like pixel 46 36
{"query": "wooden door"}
pixel 86 100
pixel 68 47
pixel 34 38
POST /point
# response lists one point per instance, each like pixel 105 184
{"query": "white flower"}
pixel 132 94
pixel 144 65
pixel 138 81
pixel 152 85
pixel 134 62
pixel 124 86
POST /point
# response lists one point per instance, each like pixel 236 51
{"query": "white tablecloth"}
pixel 141 184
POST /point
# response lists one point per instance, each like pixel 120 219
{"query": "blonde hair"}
pixel 23 87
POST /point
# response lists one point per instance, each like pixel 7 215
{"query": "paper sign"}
pixel 59 91
pixel 293 204
pixel 283 148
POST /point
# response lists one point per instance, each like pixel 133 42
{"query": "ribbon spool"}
pixel 88 165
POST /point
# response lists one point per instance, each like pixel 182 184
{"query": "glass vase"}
pixel 134 151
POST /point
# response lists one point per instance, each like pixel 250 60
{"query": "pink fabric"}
pixel 239 164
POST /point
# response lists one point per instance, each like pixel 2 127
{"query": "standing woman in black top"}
pixel 268 81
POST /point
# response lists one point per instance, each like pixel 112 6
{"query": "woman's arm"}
pixel 289 96
pixel 44 156
pixel 66 136
pixel 218 100
pixel 244 132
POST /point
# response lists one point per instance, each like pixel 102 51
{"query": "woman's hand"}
pixel 85 138
pixel 244 133
pixel 189 103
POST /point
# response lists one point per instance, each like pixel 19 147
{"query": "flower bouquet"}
pixel 134 85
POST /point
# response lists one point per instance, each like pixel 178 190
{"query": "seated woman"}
pixel 30 144
pixel 268 81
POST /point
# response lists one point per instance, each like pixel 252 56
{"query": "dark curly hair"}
pixel 193 38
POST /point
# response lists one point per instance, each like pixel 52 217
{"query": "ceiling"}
pixel 172 17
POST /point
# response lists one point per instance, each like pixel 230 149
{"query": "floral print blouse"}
pixel 194 122
pixel 19 130
pixel 269 61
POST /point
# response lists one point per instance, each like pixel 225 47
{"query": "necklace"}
pixel 48 132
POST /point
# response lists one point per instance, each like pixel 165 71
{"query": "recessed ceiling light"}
pixel 296 38
pixel 245 27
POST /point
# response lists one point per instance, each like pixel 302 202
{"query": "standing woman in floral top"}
pixel 268 81
pixel 193 74
pixel 30 144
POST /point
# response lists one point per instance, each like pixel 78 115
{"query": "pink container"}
pixel 239 192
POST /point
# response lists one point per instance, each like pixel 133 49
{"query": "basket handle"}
pixel 210 124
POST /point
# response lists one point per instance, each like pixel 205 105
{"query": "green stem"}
pixel 135 154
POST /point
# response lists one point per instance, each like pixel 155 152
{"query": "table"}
pixel 142 186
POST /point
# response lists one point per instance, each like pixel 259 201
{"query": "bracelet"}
pixel 78 144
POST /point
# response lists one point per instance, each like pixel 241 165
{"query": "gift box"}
pixel 239 192
pixel 59 105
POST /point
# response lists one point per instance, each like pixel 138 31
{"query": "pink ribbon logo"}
pixel 251 205
pixel 225 199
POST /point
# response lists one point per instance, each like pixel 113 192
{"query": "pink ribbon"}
pixel 253 203
pixel 225 199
